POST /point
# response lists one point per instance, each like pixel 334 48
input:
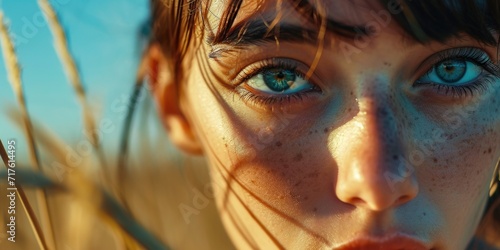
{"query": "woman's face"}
pixel 385 140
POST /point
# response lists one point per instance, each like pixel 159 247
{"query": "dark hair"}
pixel 174 27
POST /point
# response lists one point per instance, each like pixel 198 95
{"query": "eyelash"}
pixel 474 55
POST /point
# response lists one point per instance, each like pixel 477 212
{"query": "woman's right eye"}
pixel 279 81
pixel 274 81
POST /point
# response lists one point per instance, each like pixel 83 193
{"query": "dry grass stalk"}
pixel 25 203
pixel 71 69
pixel 14 74
pixel 68 62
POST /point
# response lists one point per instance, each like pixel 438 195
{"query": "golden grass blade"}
pixel 25 203
pixel 14 74
pixel 69 64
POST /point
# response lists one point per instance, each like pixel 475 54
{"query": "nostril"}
pixel 403 199
pixel 357 201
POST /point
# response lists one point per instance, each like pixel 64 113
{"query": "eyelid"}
pixel 276 62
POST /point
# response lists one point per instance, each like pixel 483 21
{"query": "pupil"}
pixel 451 71
pixel 449 68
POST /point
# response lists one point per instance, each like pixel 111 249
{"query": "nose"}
pixel 372 172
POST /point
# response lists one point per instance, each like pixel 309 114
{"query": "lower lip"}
pixel 395 242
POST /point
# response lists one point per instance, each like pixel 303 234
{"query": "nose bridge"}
pixel 377 119
pixel 372 151
pixel 377 144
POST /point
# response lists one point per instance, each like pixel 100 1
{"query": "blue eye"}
pixel 454 72
pixel 279 81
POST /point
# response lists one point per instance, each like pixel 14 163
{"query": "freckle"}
pixel 430 189
pixel 278 144
pixel 394 157
pixel 351 93
pixel 310 132
pixel 298 157
pixel 306 198
pixel 315 131
pixel 297 184
pixel 435 160
pixel 326 130
pixel 425 214
pixel 349 110
pixel 315 209
pixel 225 144
pixel 432 179
pixel 489 150
pixel 477 172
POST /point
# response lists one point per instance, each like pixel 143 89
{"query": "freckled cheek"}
pixel 285 169
pixel 461 168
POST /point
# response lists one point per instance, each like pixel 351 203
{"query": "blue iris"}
pixel 451 71
pixel 278 79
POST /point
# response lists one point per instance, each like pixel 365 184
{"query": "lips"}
pixel 394 242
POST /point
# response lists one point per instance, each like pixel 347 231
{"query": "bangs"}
pixel 440 20
pixel 425 21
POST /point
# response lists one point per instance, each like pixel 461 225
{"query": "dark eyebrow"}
pixel 258 31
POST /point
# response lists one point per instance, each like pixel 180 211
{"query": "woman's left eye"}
pixel 453 72
pixel 279 81
pixel 460 72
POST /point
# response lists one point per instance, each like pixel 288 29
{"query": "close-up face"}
pixel 319 139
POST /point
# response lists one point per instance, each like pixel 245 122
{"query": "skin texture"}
pixel 369 154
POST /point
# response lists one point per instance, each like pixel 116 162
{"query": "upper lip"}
pixel 392 242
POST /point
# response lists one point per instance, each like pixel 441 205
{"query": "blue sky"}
pixel 103 37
